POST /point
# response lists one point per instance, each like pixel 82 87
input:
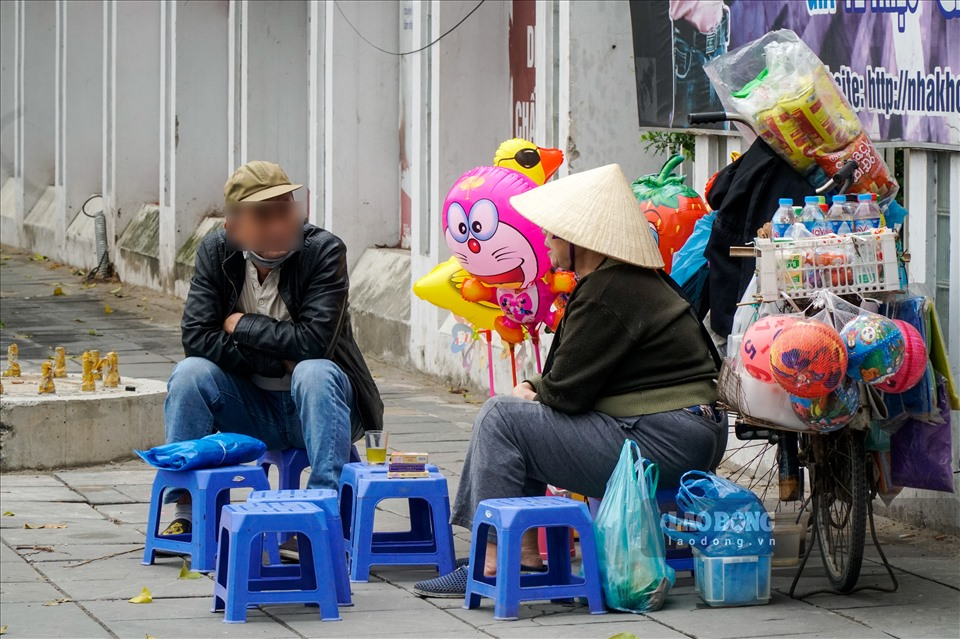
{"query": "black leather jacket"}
pixel 313 285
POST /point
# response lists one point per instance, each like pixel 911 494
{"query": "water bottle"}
pixel 839 217
pixel 783 218
pixel 867 215
pixel 814 219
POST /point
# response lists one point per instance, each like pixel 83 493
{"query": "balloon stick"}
pixel 489 360
pixel 513 363
pixel 535 339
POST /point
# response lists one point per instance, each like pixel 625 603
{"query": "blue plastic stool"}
pixel 430 538
pixel 243 581
pixel 291 463
pixel 511 518
pixel 325 500
pixel 679 556
pixel 210 490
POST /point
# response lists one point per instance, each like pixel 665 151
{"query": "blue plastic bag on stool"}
pixel 219 449
pixel 728 520
pixel 632 557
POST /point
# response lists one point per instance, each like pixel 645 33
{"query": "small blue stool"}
pixel 242 580
pixel 430 538
pixel 511 518
pixel 325 500
pixel 291 463
pixel 209 489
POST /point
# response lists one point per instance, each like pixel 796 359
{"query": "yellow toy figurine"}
pixel 95 356
pixel 13 366
pixel 111 378
pixel 60 363
pixel 46 379
pixel 88 381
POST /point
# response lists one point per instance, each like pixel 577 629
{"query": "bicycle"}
pixel 839 488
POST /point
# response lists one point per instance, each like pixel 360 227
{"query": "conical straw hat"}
pixel 597 210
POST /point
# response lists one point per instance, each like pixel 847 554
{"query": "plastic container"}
pixel 732 581
pixel 786 538
pixel 863 263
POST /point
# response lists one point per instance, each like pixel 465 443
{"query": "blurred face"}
pixel 271 228
pixel 558 250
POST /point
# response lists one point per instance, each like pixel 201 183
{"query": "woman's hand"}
pixel 524 390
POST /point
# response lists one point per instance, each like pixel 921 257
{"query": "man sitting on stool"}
pixel 266 331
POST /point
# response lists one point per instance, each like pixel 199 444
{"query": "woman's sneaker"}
pixel 449 586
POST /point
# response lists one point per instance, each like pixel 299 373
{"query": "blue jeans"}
pixel 318 413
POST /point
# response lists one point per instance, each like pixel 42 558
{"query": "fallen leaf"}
pixel 186 573
pixel 79 321
pixel 143 597
pixel 58 291
pixel 7 513
pixel 107 309
pixel 88 284
pixel 57 602
pixel 42 526
pixel 149 637
pixel 3 630
pixel 92 332
pixel 38 257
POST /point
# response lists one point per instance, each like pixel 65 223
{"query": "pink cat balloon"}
pixel 529 306
pixel 488 237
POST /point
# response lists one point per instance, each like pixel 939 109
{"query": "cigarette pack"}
pixel 409 458
pixel 406 468
pixel 397 475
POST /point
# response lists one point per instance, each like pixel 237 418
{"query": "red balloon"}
pixel 914 361
pixel 755 348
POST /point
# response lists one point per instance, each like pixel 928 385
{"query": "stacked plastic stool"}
pixel 430 538
pixel 210 490
pixel 511 518
pixel 241 578
pixel 290 464
pixel 325 500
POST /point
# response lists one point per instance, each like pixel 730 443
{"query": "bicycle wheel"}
pixel 840 494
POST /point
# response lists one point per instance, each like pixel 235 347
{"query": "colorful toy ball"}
pixel 914 365
pixel 875 347
pixel 808 359
pixel 755 348
pixel 830 412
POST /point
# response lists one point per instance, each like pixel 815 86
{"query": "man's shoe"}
pixel 450 586
pixel 289 551
pixel 178 527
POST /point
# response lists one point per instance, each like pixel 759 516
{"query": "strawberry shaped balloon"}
pixel 671 207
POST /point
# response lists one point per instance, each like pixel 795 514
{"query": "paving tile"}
pixel 39 493
pixel 211 626
pixel 130 513
pixel 117 477
pixel 75 553
pixel 9 481
pixel 29 620
pixel 77 532
pixel 16 571
pixel 103 495
pixel 123 577
pixel 419 618
pixel 27 591
pixel 40 512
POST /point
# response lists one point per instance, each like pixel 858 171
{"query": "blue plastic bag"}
pixel 728 519
pixel 219 449
pixel 689 258
pixel 632 556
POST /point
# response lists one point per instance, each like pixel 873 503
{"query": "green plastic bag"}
pixel 633 565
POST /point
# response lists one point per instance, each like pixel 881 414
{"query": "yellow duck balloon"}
pixel 526 157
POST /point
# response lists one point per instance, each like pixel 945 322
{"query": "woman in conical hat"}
pixel 630 360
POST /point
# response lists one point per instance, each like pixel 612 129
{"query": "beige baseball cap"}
pixel 257 181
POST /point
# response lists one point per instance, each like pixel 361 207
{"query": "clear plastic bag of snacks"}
pixel 783 88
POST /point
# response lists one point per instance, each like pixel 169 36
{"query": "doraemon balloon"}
pixel 488 237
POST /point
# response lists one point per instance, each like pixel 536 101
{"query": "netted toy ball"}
pixel 830 412
pixel 914 361
pixel 755 348
pixel 808 359
pixel 875 347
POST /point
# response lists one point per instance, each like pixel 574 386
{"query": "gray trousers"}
pixel 520 446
